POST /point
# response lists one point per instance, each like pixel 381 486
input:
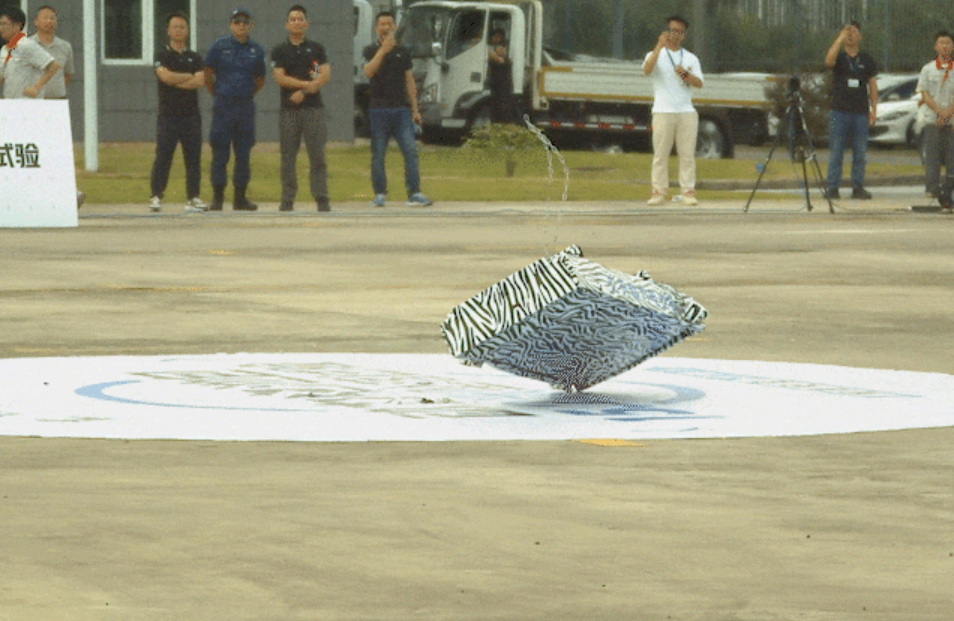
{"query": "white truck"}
pixel 593 103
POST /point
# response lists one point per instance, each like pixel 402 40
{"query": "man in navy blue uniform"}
pixel 234 73
pixel 300 67
pixel 180 74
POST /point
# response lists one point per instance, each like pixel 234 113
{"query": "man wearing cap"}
pixel 45 20
pixel 300 67
pixel 234 74
pixel 25 67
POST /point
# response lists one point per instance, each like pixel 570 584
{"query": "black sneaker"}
pixel 861 194
pixel 286 206
pixel 832 194
pixel 243 204
pixel 324 205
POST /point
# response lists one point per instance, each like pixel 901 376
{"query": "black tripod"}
pixel 800 148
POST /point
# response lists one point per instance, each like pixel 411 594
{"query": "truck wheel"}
pixel 711 141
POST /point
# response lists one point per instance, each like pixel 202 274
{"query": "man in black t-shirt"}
pixel 854 86
pixel 392 111
pixel 180 74
pixel 300 67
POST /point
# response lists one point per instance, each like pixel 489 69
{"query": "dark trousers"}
pixel 939 151
pixel 233 129
pixel 293 125
pixel 170 131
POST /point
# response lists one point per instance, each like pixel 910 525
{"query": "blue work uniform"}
pixel 237 66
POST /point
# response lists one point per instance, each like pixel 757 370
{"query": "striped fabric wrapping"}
pixel 570 322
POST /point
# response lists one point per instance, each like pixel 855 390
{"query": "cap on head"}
pixel 240 12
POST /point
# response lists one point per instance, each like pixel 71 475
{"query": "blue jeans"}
pixel 396 122
pixel 843 129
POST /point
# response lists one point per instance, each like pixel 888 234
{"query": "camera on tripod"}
pixel 793 90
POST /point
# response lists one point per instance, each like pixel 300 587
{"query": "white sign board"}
pixel 37 173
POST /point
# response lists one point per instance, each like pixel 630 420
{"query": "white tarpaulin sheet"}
pixel 359 397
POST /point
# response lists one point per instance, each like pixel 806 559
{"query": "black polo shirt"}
pixel 178 101
pixel 850 83
pixel 388 86
pixel 300 62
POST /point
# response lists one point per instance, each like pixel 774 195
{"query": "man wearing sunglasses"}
pixel 235 73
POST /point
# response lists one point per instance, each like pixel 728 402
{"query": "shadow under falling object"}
pixel 570 322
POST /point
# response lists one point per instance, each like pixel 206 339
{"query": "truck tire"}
pixel 711 142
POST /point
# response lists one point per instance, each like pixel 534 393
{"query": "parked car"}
pixel 898 105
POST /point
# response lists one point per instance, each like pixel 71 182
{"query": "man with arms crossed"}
pixel 25 67
pixel 180 74
pixel 676 71
pixel 45 21
pixel 853 85
pixel 234 74
pixel 300 67
pixel 936 85
pixel 392 110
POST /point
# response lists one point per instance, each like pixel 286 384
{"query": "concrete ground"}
pixel 842 527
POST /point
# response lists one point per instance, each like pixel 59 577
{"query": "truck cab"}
pixel 449 42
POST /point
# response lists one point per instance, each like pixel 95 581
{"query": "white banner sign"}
pixel 360 397
pixel 37 173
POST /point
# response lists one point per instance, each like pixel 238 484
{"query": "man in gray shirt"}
pixel 45 21
pixel 25 67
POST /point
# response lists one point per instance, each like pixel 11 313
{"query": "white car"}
pixel 897 112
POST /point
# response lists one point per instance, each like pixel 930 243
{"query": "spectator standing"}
pixel 854 106
pixel 46 21
pixel 500 79
pixel 25 67
pixel 234 74
pixel 676 71
pixel 392 111
pixel 300 67
pixel 180 75
pixel 936 85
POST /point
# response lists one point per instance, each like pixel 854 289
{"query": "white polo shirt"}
pixel 21 67
pixel 671 93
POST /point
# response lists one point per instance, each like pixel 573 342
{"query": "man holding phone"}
pixel 854 106
pixel 676 71
pixel 392 110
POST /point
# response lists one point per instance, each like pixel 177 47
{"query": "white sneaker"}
pixel 195 205
pixel 419 199
pixel 155 204
pixel 658 198
pixel 689 198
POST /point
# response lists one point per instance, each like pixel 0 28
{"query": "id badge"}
pixel 854 83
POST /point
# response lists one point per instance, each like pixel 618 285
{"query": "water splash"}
pixel 550 149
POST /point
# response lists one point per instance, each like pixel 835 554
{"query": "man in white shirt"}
pixel 45 21
pixel 25 67
pixel 936 85
pixel 676 71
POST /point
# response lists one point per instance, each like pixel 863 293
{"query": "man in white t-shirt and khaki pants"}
pixel 676 71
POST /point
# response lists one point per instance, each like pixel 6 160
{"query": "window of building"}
pixel 132 30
